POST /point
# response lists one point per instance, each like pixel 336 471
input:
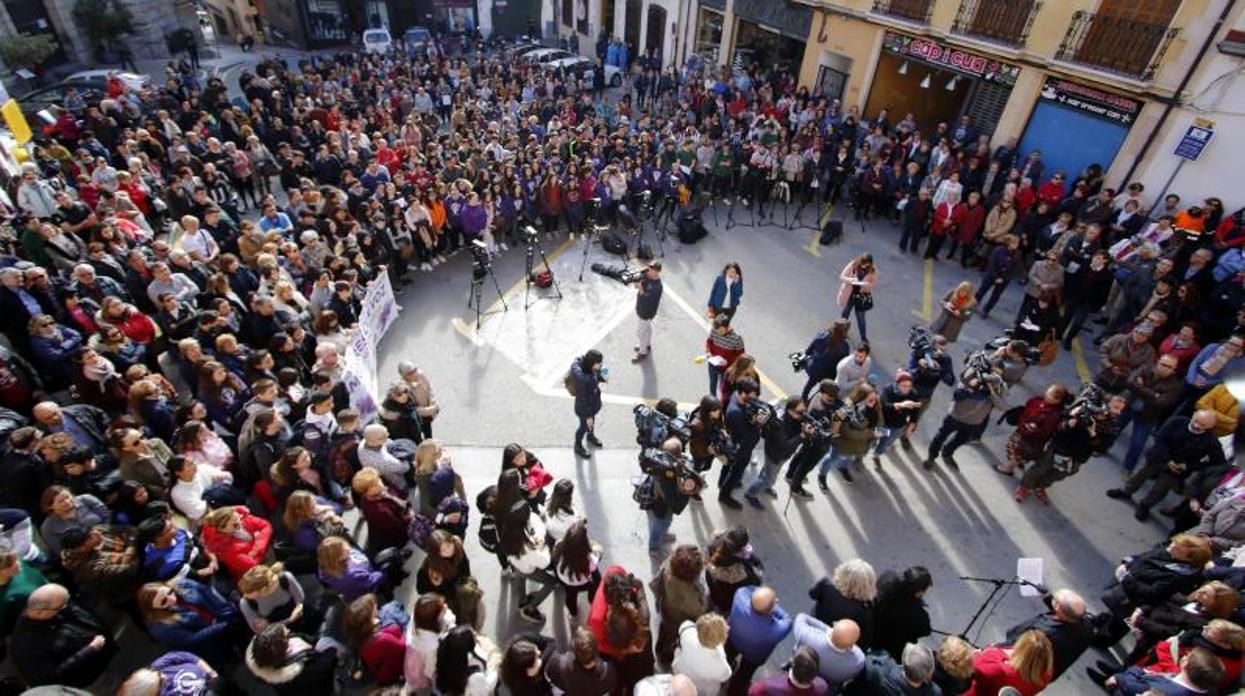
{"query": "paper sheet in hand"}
pixel 1029 570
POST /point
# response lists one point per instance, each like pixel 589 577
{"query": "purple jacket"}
pixel 358 579
pixel 474 219
pixel 180 674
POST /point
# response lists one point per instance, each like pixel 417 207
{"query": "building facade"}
pixel 663 27
pixel 1084 81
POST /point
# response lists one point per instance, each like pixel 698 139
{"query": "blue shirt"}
pixel 77 432
pixel 280 224
pixel 756 635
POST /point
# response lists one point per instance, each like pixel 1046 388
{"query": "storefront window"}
pixel 755 45
pixel 325 20
pixel 709 35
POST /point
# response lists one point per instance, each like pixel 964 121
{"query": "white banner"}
pixel 377 314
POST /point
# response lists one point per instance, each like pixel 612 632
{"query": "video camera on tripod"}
pixel 921 342
pixel 654 427
pixel 660 464
pixel 481 263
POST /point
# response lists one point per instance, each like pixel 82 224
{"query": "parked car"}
pixel 53 96
pixel 543 55
pixel 377 41
pixel 98 79
pixel 520 47
pixel 417 39
pixel 583 68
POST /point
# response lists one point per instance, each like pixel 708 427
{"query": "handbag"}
pixel 1050 350
pixel 864 301
pixel 645 493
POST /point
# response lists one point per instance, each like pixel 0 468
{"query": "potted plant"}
pixel 28 51
pixel 103 22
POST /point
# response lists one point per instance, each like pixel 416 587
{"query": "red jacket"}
pixel 992 672
pixel 1051 192
pixel 947 219
pixel 1165 658
pixel 238 555
pixel 536 478
pixel 384 654
pixel 971 221
pixel 136 326
pixel 597 617
pixel 1038 420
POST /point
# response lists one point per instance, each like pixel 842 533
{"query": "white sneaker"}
pixel 503 247
pixel 426 266
pixel 440 258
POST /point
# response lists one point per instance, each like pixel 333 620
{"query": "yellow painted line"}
pixel 703 323
pixel 814 247
pixel 469 332
pixel 927 302
pixel 514 290
pixel 1078 356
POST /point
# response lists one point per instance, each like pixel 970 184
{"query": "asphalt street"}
pixel 502 383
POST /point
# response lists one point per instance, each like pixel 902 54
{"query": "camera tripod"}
pixel 534 248
pixel 480 271
pixel 730 213
pixel 797 222
pixel 591 230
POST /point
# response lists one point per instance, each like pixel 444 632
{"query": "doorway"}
pixel 631 32
pixel 655 32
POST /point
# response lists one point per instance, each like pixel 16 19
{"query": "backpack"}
pixel 420 529
pixel 613 244
pixel 568 381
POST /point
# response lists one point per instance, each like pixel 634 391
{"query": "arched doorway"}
pixel 631 30
pixel 655 37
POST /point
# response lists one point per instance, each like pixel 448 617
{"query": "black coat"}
pixel 830 605
pixel 899 617
pixel 52 651
pixel 1068 640
pixel 1152 578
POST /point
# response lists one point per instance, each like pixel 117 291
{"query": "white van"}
pixel 377 41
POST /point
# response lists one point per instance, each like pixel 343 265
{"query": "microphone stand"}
pixel 999 585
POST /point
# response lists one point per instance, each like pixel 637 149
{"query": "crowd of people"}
pixel 183 268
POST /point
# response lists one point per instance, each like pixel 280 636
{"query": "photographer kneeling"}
pixel 669 484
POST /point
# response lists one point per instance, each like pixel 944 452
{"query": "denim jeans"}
pixel 585 428
pixel 657 528
pixel 889 435
pixel 714 375
pixel 547 582
pixel 1137 441
pixel 766 477
pixel 860 317
pixel 836 460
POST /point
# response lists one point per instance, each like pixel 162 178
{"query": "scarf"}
pixel 1216 362
pixel 727 341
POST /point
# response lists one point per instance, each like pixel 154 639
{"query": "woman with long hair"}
pixel 185 614
pixel 522 670
pixel 435 477
pixel 239 539
pixel 272 595
pixel 522 541
pixel 708 433
pixel 731 564
pixel 586 376
pixel 560 513
pixel 200 444
pixel 575 560
pixel 1026 666
pixel 382 649
pixel 855 426
pixel 466 663
pixel 221 392
pixel 310 520
pixel 744 367
pixel 620 621
pixel 856 284
pixel 680 595
pixel 444 569
pixel 899 611
pixel 535 478
pixel 349 573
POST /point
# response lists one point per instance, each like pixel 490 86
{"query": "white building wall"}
pixel 1216 93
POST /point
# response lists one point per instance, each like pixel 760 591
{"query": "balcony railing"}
pixel 1116 44
pixel 1002 21
pixel 917 11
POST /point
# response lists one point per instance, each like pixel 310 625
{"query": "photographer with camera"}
pixel 670 482
pixel 781 442
pixel 648 297
pixel 901 409
pixel 821 358
pixel 1089 428
pixel 929 365
pixel 744 421
pixel 821 409
pixel 975 396
pixel 709 438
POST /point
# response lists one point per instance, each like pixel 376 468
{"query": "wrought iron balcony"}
pixel 917 11
pixel 1002 21
pixel 1116 44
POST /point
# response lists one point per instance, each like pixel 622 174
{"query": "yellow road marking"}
pixel 519 285
pixel 814 247
pixel 1078 356
pixel 467 331
pixel 703 323
pixel 927 302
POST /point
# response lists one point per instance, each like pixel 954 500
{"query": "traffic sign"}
pixel 1195 139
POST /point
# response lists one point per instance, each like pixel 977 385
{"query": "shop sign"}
pixel 792 20
pixel 1104 105
pixel 951 58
